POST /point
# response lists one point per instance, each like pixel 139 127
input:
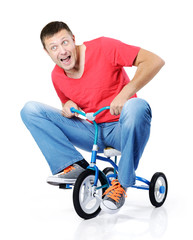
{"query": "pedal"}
pixel 65 186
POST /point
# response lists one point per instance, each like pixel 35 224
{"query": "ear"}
pixel 73 38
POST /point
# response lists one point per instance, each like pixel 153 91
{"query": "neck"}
pixel 78 69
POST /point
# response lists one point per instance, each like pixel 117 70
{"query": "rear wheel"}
pixel 110 173
pixel 158 189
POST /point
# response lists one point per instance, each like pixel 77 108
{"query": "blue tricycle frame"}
pixel 91 184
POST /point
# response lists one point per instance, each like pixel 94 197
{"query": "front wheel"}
pixel 86 201
pixel 158 189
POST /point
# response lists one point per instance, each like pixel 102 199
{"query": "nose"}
pixel 62 50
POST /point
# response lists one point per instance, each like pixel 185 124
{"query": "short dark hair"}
pixel 52 28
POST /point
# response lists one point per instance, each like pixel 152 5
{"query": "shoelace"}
pixel 115 191
pixel 68 169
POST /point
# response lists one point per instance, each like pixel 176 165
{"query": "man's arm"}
pixel 148 65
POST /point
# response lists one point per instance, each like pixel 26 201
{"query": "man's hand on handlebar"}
pixel 66 109
pixel 117 105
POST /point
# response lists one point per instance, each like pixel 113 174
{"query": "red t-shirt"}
pixel 103 77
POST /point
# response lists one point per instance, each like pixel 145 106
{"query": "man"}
pixel 88 77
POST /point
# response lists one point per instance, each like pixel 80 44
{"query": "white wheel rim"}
pixel 158 195
pixel 88 202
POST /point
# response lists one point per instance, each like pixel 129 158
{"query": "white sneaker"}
pixel 114 197
pixel 68 176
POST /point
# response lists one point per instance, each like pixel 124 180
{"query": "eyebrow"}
pixel 53 43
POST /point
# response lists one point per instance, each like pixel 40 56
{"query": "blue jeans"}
pixel 57 136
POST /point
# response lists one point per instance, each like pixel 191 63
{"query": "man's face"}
pixel 62 49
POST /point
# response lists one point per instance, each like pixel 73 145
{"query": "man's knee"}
pixel 29 109
pixel 136 109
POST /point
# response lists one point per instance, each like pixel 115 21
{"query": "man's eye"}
pixel 53 48
pixel 65 42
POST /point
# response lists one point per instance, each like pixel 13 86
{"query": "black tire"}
pixel 108 170
pixel 82 193
pixel 158 189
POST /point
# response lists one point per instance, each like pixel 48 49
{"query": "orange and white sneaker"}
pixel 68 176
pixel 114 197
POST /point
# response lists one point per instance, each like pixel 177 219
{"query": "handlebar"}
pixel 89 116
pixel 73 110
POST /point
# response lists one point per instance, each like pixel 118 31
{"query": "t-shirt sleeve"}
pixel 60 94
pixel 119 53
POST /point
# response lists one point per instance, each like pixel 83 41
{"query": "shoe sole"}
pixel 109 207
pixel 57 182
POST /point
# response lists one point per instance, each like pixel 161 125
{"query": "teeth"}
pixel 63 59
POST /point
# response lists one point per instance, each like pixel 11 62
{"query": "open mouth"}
pixel 65 60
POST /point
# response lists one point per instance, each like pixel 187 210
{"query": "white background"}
pixel 31 209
